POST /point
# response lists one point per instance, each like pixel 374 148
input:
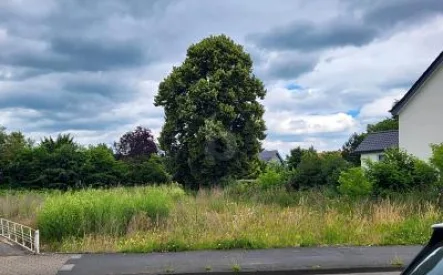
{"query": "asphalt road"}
pixel 345 260
pixel 387 260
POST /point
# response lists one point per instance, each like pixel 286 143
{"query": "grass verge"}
pixel 146 219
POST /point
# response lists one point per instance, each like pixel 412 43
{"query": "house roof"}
pixel 414 89
pixel 378 142
pixel 269 155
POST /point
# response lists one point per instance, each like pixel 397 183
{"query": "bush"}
pixel 317 170
pixel 148 171
pixel 308 173
pixel 437 159
pixel 274 175
pixel 400 172
pixel 354 183
pixel 75 214
pixel 331 166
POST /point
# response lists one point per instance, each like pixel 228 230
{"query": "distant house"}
pixel 373 146
pixel 420 112
pixel 271 156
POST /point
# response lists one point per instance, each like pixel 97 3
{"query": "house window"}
pixel 381 157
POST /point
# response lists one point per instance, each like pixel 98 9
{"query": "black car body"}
pixel 430 259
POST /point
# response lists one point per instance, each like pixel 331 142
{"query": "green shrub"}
pixel 317 170
pixel 148 171
pixel 274 175
pixel 308 173
pixel 400 172
pixel 75 214
pixel 437 159
pixel 424 174
pixel 332 164
pixel 354 183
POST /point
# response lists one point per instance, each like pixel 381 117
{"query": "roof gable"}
pixel 269 155
pixel 414 89
pixel 378 142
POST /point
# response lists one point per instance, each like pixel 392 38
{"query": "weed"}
pixel 236 268
pixel 397 261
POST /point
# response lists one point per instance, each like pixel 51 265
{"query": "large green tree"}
pixel 213 119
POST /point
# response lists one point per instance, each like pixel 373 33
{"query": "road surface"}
pixel 345 260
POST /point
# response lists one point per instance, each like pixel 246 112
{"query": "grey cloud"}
pixel 376 18
pixel 389 13
pixel 75 54
pixel 82 93
pixel 307 36
pixel 284 64
pixel 79 54
pixel 291 68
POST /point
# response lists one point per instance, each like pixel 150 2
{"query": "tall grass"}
pixel 21 206
pixel 109 212
pixel 164 219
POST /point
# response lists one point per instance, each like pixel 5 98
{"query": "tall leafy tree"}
pixel 138 144
pixel 214 121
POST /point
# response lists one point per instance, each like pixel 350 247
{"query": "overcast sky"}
pixel 92 68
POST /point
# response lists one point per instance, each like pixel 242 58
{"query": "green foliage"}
pixel 52 164
pixel 317 169
pixel 332 163
pixel 385 125
pixel 308 173
pixel 400 172
pixel 354 183
pixel 149 171
pixel 75 214
pixel 63 164
pixel 437 159
pixel 274 176
pixel 213 121
pixel 294 158
pixel 349 147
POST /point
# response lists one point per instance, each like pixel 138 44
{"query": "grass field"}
pixel 145 219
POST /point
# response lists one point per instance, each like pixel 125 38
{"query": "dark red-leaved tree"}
pixel 136 144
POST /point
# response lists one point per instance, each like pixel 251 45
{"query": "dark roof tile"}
pixel 268 155
pixel 378 141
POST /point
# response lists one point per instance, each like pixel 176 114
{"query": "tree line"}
pixel 61 163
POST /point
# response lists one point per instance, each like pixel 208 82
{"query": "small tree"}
pixel 349 147
pixel 138 144
pixel 294 158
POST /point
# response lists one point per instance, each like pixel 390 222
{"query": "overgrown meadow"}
pixel 166 218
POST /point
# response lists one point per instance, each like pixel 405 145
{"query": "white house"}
pixel 420 112
pixel 373 146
